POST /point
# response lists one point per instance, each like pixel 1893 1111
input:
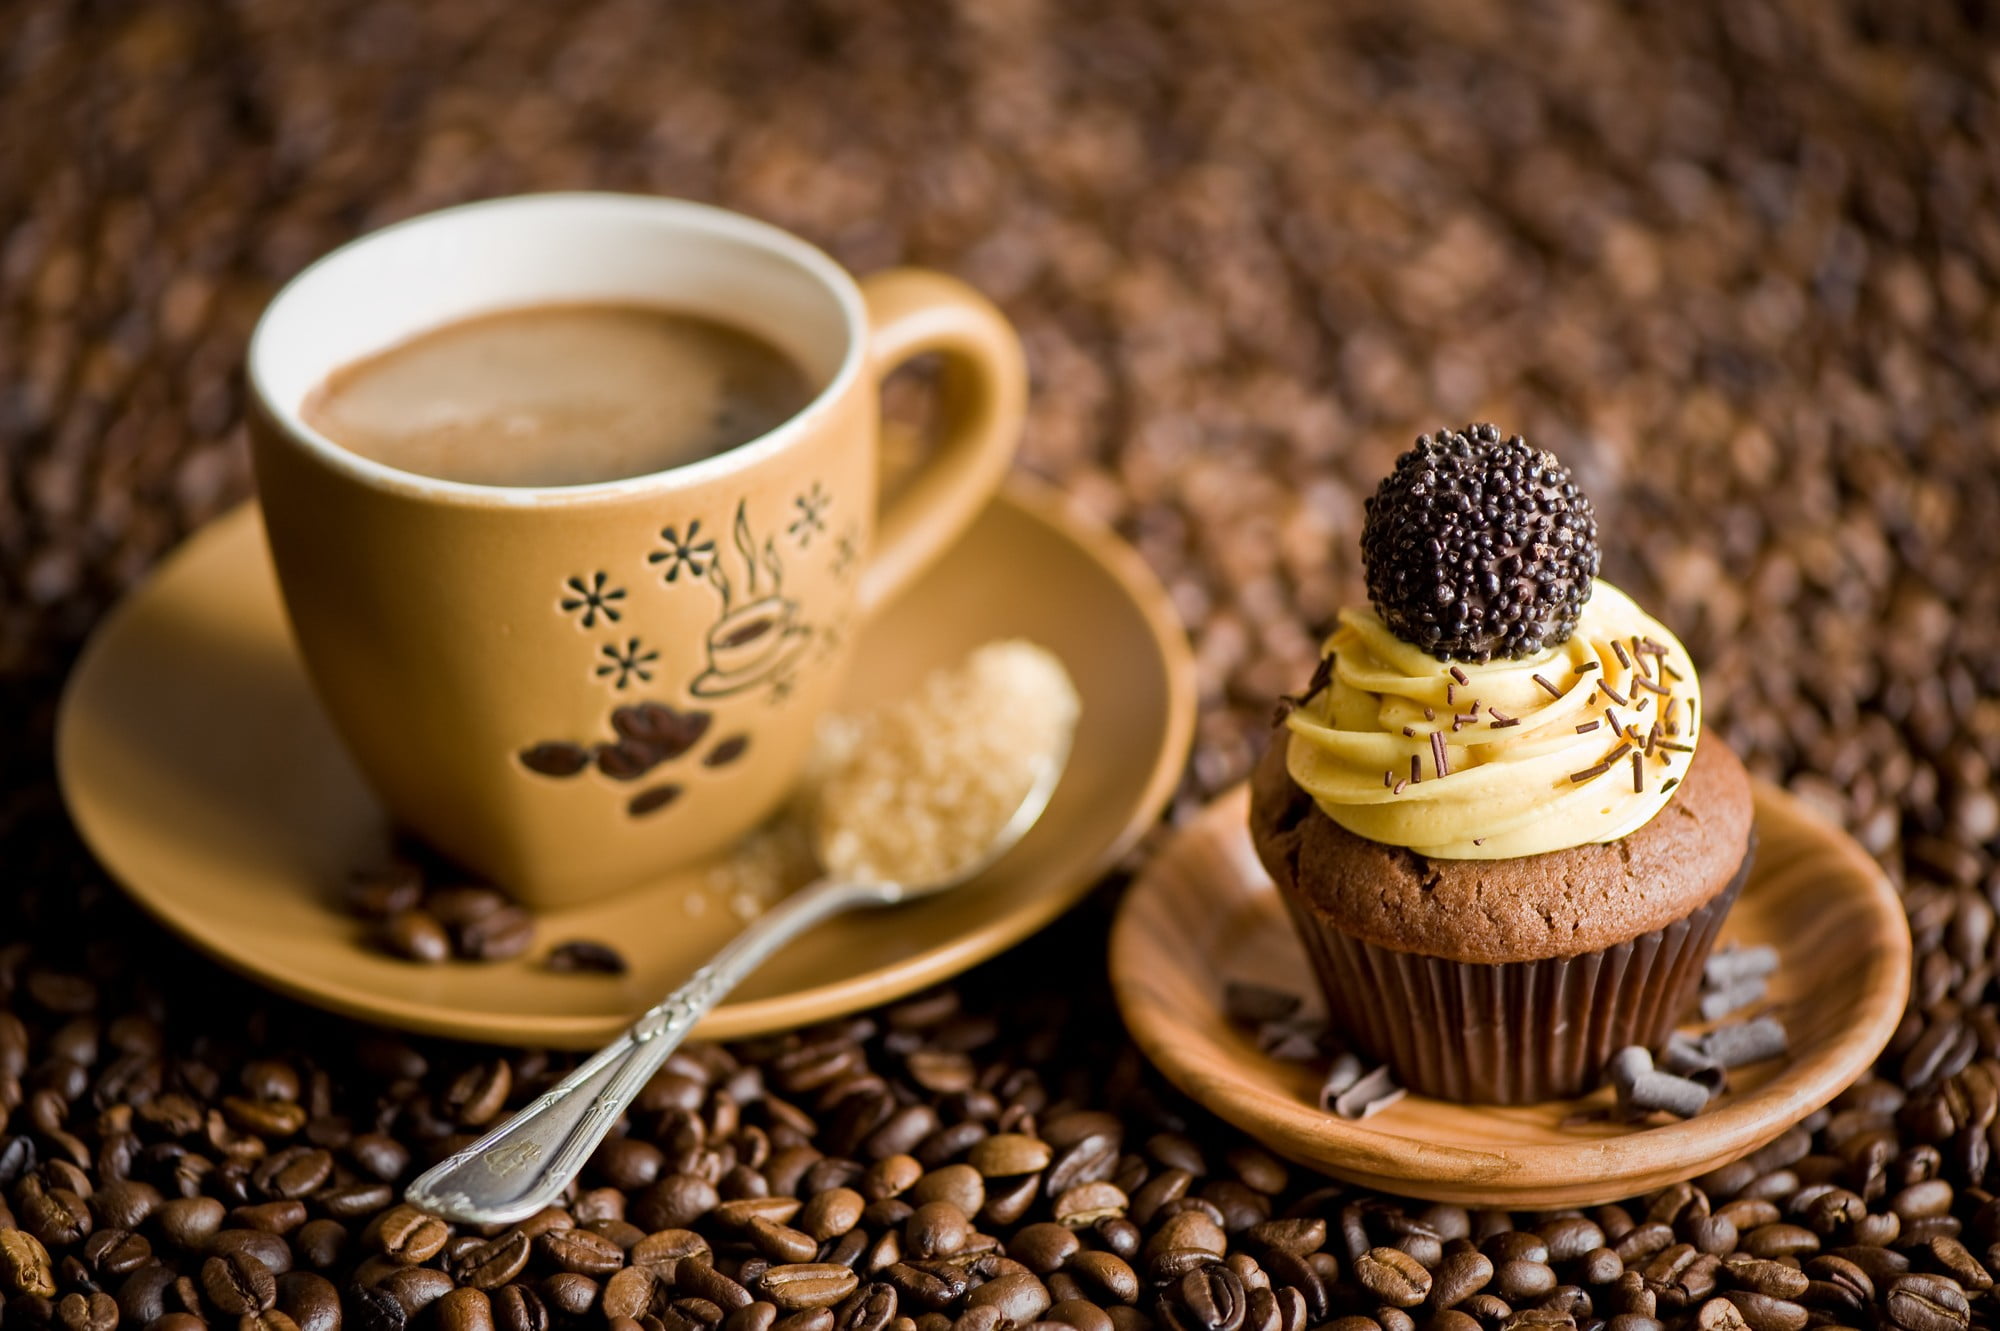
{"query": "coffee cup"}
pixel 571 689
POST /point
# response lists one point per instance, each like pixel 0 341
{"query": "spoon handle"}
pixel 524 1164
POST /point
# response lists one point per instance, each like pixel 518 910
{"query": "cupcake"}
pixel 1494 814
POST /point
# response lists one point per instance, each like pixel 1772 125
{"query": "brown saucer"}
pixel 1205 912
pixel 199 768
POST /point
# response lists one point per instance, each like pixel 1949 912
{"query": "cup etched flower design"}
pixel 691 553
pixel 592 600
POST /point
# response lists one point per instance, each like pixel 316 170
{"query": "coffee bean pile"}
pixel 1735 264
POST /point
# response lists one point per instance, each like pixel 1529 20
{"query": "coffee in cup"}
pixel 567 394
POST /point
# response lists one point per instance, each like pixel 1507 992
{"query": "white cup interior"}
pixel 388 287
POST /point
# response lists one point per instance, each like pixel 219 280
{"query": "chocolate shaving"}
pixel 1322 676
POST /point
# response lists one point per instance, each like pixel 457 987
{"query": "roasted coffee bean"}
pixel 936 1229
pixel 491 1263
pixel 806 1285
pixel 372 1309
pixel 295 1172
pixel 270 1217
pixel 407 1235
pixel 268 1249
pixel 700 1280
pixel 417 1287
pixel 238 1284
pixel 476 1096
pixel 462 1310
pixel 587 956
pixel 416 935
pixel 579 1251
pixel 1521 1281
pixel 56 1216
pixel 570 1294
pixel 1774 1279
pixel 518 1307
pixel 781 1243
pixel 1715 1315
pixel 116 1252
pixel 309 1300
pixel 960 1185
pixel 1775 1241
pixel 24 1265
pixel 1599 1266
pixel 1393 1276
pixel 1762 1312
pixel 87 1312
pixel 142 1296
pixel 1568 1238
pixel 1927 1303
pixel 1044 1248
pixel 319 1244
pixel 629 1292
pixel 933 1285
pixel 1214 1297
pixel 1458 1277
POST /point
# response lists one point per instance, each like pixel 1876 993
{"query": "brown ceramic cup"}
pixel 571 689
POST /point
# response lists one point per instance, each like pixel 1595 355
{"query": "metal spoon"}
pixel 524 1164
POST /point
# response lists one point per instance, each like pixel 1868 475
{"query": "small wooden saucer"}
pixel 1205 913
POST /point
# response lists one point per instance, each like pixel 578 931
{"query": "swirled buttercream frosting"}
pixel 1578 743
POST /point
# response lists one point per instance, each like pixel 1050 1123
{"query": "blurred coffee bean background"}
pixel 1735 261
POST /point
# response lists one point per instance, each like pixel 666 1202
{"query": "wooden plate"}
pixel 198 766
pixel 1205 912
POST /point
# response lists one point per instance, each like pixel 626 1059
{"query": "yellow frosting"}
pixel 1525 788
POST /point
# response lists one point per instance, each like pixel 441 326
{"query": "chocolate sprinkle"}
pixel 1586 667
pixel 1459 675
pixel 1554 692
pixel 1475 547
pixel 1613 694
pixel 1587 727
pixel 1437 753
pixel 1638 773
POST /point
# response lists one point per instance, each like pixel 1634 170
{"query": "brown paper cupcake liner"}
pixel 1518 1032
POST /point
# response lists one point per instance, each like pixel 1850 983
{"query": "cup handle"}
pixel 911 312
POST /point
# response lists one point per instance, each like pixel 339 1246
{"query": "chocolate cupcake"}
pixel 1494 815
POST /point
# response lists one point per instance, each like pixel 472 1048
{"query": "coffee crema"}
pixel 566 394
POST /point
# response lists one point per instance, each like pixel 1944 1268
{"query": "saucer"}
pixel 1205 912
pixel 201 771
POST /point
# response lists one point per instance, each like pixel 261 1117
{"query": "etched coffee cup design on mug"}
pixel 572 688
